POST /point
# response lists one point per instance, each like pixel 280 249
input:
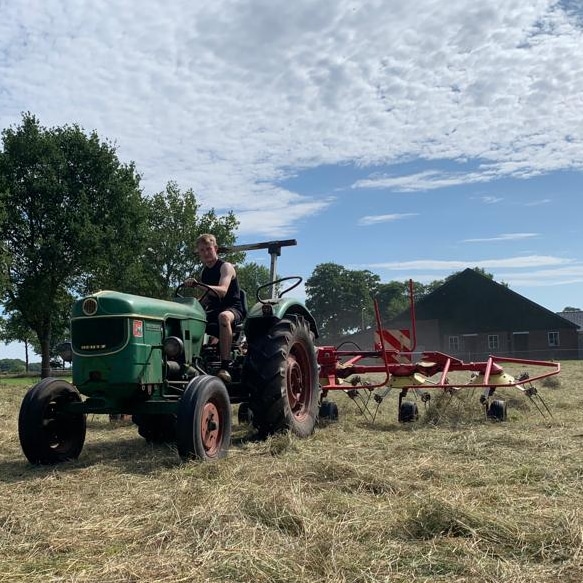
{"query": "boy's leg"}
pixel 226 320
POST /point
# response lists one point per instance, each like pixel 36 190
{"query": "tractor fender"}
pixel 260 319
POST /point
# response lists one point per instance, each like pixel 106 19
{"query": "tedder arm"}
pixel 396 368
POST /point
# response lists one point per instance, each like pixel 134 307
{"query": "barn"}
pixel 575 316
pixel 471 316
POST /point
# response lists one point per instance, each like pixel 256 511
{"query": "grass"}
pixel 452 497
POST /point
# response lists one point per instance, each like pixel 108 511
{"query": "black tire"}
pixel 281 372
pixel 156 428
pixel 203 424
pixel 408 412
pixel 498 410
pixel 47 434
pixel 244 414
pixel 329 411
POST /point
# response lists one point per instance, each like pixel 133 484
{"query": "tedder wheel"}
pixel 49 435
pixel 156 428
pixel 203 424
pixel 408 412
pixel 282 374
pixel 244 414
pixel 497 410
pixel 328 411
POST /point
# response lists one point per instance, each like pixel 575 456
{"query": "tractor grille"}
pixel 92 335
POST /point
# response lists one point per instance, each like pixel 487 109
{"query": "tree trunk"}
pixel 45 358
pixel 45 345
pixel 26 363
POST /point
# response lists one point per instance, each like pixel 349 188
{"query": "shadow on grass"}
pixel 129 454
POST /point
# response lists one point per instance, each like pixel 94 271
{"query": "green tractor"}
pixel 155 360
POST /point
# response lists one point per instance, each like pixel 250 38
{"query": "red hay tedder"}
pixel 432 371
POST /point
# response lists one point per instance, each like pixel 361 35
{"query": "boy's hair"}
pixel 206 239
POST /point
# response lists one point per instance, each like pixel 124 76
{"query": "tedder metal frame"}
pixel 402 372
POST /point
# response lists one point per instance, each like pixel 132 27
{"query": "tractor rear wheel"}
pixel 156 428
pixel 203 425
pixel 282 373
pixel 48 435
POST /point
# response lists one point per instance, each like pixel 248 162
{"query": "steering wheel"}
pixel 200 296
pixel 296 279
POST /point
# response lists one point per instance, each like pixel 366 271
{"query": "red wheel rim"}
pixel 299 381
pixel 211 429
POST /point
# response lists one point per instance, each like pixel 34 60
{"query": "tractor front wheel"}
pixel 203 424
pixel 282 373
pixel 48 433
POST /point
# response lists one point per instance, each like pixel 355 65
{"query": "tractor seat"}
pixel 212 329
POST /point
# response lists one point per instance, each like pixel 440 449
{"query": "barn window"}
pixel 554 339
pixel 493 342
pixel 454 343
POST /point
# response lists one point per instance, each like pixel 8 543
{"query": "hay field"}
pixel 452 497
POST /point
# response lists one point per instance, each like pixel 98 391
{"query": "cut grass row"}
pixel 452 497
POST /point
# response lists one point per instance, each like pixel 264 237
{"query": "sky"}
pixel 413 139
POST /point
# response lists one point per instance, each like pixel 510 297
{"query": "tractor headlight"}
pixel 90 306
pixel 173 346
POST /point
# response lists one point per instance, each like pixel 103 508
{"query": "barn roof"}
pixel 575 317
pixel 473 302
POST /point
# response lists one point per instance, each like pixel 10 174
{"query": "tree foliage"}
pixel 435 284
pixel 69 209
pixel 12 366
pixel 251 276
pixel 393 298
pixel 14 329
pixel 174 222
pixel 340 298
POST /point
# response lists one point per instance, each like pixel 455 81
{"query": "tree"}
pixel 251 276
pixel 393 298
pixel 70 210
pixel 435 284
pixel 340 299
pixel 14 329
pixel 60 324
pixel 12 366
pixel 571 309
pixel 173 225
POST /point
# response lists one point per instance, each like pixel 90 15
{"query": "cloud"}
pixel 373 220
pixel 523 262
pixel 276 220
pixel 567 274
pixel 504 237
pixel 539 202
pixel 230 98
pixel 491 199
pixel 428 180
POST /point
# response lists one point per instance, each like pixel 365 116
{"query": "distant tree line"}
pixel 342 300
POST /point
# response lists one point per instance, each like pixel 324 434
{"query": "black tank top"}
pixel 232 299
